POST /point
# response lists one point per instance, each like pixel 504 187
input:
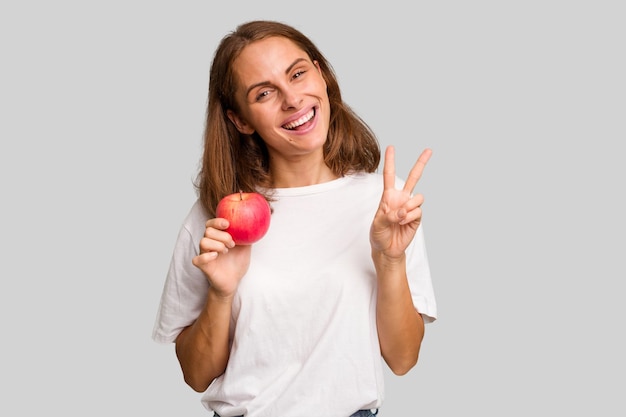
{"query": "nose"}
pixel 291 100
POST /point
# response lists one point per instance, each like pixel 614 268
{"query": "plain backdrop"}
pixel 523 103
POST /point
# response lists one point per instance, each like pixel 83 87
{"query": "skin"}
pixel 278 84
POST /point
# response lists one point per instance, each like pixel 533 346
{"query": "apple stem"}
pixel 240 195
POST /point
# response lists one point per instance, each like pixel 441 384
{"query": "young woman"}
pixel 297 324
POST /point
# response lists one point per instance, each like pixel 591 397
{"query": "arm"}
pixel 400 326
pixel 203 348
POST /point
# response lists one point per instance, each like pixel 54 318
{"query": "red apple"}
pixel 248 214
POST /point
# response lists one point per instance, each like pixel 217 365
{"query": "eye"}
pixel 298 74
pixel 262 94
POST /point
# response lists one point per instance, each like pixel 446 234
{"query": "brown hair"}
pixel 233 161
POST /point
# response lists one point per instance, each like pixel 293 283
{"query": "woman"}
pixel 295 324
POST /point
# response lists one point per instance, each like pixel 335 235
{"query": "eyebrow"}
pixel 263 83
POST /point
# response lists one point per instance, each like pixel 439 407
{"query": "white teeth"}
pixel 300 121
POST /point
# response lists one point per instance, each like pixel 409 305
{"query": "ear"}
pixel 319 69
pixel 241 125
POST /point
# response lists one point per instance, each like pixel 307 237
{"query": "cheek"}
pixel 261 121
pixel 268 115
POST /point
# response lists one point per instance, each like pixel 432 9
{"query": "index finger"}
pixel 389 169
pixel 416 171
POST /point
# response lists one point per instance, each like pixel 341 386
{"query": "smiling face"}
pixel 282 96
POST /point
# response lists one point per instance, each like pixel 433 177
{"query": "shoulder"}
pixel 374 180
pixel 367 179
pixel 195 221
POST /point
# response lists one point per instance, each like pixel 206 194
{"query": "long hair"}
pixel 233 161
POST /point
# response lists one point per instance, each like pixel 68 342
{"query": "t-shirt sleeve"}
pixel 185 289
pixel 420 283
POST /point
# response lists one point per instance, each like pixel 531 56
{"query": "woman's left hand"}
pixel 399 213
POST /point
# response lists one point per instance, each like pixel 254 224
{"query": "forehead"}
pixel 269 55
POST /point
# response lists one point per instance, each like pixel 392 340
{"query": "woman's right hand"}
pixel 220 259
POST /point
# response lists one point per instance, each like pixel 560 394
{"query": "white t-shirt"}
pixel 303 327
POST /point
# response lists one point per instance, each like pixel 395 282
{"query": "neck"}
pixel 301 175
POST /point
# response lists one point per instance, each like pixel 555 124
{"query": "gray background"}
pixel 523 103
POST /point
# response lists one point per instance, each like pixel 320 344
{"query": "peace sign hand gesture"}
pixel 399 213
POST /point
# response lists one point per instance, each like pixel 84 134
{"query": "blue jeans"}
pixel 364 413
pixel 360 413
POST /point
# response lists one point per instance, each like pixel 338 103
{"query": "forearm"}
pixel 400 326
pixel 203 348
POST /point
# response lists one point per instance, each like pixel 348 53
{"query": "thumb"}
pixel 203 259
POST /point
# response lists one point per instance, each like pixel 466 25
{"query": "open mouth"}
pixel 301 121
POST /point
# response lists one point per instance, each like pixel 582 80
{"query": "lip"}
pixel 312 122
